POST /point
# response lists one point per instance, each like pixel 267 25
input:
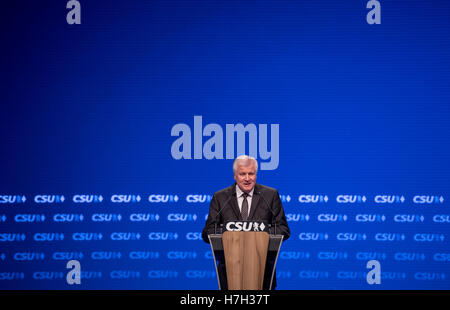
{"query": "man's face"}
pixel 246 177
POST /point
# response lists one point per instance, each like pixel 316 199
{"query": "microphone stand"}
pixel 224 206
pixel 273 213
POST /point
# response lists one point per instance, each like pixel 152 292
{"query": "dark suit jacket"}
pixel 258 210
pixel 226 200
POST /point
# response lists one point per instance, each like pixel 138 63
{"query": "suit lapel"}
pixel 234 202
pixel 255 200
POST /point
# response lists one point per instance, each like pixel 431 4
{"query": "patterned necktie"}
pixel 244 209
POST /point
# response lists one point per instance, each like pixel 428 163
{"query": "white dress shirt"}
pixel 240 198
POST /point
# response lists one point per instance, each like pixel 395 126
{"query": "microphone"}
pixel 224 206
pixel 270 209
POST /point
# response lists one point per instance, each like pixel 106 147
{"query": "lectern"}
pixel 245 256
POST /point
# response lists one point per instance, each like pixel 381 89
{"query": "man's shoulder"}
pixel 225 191
pixel 265 189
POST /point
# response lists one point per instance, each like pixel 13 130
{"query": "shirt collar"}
pixel 239 192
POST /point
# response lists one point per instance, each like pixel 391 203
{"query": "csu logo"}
pixel 312 236
pixel 405 256
pixel 87 198
pixel 441 257
pixel 351 199
pixel 29 218
pixel 181 255
pixel 193 236
pixel 42 237
pixel 64 217
pixel 47 275
pixel 162 236
pixel 12 237
pixel 162 274
pixel 106 217
pixel 67 255
pixel 125 274
pixel 370 256
pixel 389 237
pixel 198 198
pixel 125 236
pixel 28 256
pixel 84 236
pixel 200 274
pixel 429 237
pixel 12 199
pixel 423 199
pixel 154 198
pixel 441 218
pixel 313 274
pixel 297 217
pixel 325 217
pixel 12 276
pixel 371 218
pixel 429 276
pixel 49 198
pixel 144 217
pixel 332 255
pixel 125 198
pixel 103 255
pixel 389 199
pixel 343 236
pixel 408 218
pixel 313 198
pixel 245 226
pixel 295 255
pixel 143 255
pixel 178 217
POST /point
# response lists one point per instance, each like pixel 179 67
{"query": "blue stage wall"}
pixel 117 131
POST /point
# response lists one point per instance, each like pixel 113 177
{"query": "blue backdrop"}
pixel 90 166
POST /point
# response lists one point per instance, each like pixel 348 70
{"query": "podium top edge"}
pixel 271 235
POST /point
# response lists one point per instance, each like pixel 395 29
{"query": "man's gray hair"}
pixel 245 161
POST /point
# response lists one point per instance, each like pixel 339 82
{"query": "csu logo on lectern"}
pixel 246 226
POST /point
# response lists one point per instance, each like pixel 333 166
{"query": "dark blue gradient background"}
pixel 363 109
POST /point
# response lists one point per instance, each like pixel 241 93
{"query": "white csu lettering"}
pixel 74 275
pixel 244 226
pixel 213 148
pixel 374 275
pixel 374 15
pixel 74 15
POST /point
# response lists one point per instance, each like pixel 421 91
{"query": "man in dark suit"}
pixel 246 200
